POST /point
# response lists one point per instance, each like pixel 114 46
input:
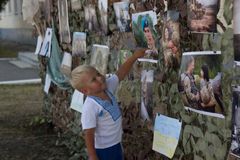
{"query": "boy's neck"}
pixel 103 95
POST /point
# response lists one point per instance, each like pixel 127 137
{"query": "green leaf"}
pixel 195 131
pixel 196 157
pixel 213 139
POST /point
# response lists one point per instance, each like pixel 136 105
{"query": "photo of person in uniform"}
pixel 145 34
pixel 63 21
pixel 200 83
pixel 91 18
pixel 79 44
pixel 236 31
pixel 170 40
pixel 99 58
pixel 122 16
pixel 202 15
pixel 235 146
pixel 146 95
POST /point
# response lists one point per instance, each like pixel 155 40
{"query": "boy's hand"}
pixel 139 52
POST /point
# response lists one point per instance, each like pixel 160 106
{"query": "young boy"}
pixel 101 117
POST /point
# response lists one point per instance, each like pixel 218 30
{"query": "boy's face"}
pixel 94 83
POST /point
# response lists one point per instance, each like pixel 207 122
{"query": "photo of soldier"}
pixel 99 58
pixel 79 44
pixel 145 34
pixel 170 40
pixel 91 18
pixel 200 83
pixel 122 16
pixel 236 31
pixel 146 95
pixel 63 21
pixel 235 145
pixel 103 7
pixel 122 57
pixel 202 15
pixel 75 4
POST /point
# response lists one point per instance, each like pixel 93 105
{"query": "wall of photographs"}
pixel 190 71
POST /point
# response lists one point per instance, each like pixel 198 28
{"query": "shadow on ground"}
pixel 22 136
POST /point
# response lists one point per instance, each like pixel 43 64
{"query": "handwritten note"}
pixel 166 135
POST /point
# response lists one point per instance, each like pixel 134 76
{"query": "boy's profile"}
pixel 101 117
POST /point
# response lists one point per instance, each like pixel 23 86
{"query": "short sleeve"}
pixel 89 115
pixel 112 83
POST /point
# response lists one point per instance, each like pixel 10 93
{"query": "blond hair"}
pixel 77 74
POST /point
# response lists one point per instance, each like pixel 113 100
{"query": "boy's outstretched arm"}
pixel 126 66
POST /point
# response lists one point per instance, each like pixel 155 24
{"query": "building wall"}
pixel 12 26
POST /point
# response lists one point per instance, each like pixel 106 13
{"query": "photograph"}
pixel 75 4
pixel 123 55
pixel 46 44
pixel 91 18
pixel 235 145
pixel 143 26
pixel 103 7
pixel 146 95
pixel 99 58
pixel 202 15
pixel 79 44
pixel 122 16
pixel 200 82
pixel 236 31
pixel 171 40
pixel 63 21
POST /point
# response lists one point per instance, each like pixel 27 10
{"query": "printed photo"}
pixel 46 44
pixel 122 16
pixel 63 21
pixel 99 58
pixel 103 7
pixel 146 94
pixel 236 30
pixel 79 44
pixel 170 40
pixel 122 57
pixel 75 4
pixel 202 15
pixel 235 146
pixel 200 83
pixel 145 34
pixel 91 18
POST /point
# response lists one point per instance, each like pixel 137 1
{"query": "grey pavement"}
pixel 17 70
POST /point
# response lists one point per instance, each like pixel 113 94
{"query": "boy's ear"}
pixel 83 90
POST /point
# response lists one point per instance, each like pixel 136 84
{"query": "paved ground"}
pixel 10 71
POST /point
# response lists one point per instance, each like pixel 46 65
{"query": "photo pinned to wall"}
pixel 122 57
pixel 200 83
pixel 99 58
pixel 79 47
pixel 171 40
pixel 143 25
pixel 146 94
pixel 75 4
pixel 236 31
pixel 47 11
pixel 91 18
pixel 39 45
pixel 103 7
pixel 122 15
pixel 47 42
pixel 202 15
pixel 77 101
pixel 63 21
pixel 66 65
pixel 235 145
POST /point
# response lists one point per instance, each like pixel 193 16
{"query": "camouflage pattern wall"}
pixel 201 137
